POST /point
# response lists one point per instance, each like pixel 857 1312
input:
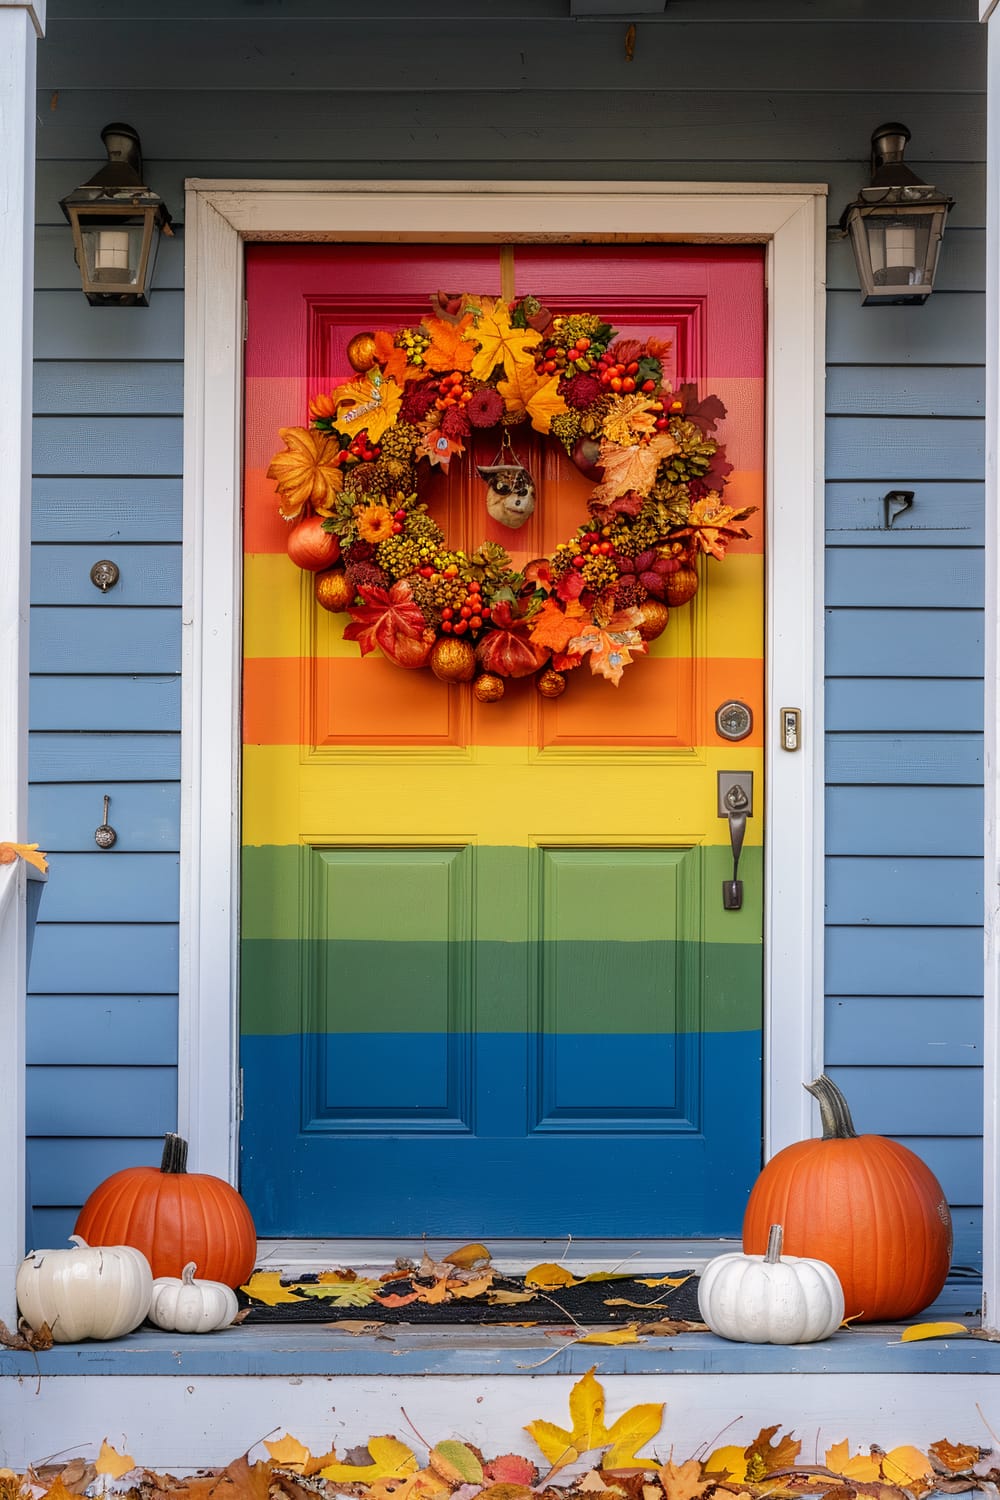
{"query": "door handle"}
pixel 735 805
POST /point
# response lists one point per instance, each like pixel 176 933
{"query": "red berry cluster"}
pixel 469 615
pixel 359 450
pixel 398 522
pixel 619 377
pixel 592 544
pixel 580 358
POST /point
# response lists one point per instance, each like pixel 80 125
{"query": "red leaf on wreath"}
pixel 623 505
pixel 506 649
pixel 570 585
pixel 706 414
pixel 384 617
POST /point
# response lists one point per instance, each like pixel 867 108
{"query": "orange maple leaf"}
pixel 449 348
pixel 393 360
pixel 555 624
pixel 631 468
pixel 683 1481
pixel 611 650
pixel 771 1456
pixel 710 524
pixel 306 474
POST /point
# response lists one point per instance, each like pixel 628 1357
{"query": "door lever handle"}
pixel 737 805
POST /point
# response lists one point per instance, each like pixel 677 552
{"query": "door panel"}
pixel 488 983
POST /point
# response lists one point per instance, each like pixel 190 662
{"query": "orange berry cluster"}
pixel 469 615
pixel 452 391
pixel 619 377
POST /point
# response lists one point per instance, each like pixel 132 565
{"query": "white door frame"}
pixel 790 220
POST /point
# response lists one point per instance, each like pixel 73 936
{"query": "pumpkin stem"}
pixel 175 1153
pixel 774 1238
pixel 833 1110
pixel 187 1275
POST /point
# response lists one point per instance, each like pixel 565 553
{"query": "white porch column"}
pixel 990 14
pixel 20 25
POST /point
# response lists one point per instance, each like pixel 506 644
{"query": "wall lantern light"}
pixel 896 226
pixel 116 224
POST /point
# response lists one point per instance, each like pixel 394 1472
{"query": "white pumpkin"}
pixel 762 1299
pixel 89 1292
pixel 184 1305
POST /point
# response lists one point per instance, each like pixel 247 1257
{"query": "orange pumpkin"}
pixel 865 1204
pixel 174 1216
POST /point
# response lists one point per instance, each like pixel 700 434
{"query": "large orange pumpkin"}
pixel 866 1205
pixel 174 1216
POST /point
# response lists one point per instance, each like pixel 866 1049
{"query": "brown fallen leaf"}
pixel 26 1338
pixel 357 1327
pixel 668 1326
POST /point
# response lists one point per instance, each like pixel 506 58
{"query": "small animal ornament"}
pixel 510 489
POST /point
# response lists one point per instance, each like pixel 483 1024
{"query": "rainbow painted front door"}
pixel 488 984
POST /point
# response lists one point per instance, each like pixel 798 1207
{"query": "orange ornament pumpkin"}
pixel 333 591
pixel 866 1205
pixel 453 660
pixel 678 588
pixel 312 548
pixel 174 1216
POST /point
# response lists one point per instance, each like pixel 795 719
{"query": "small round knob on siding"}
pixel 104 574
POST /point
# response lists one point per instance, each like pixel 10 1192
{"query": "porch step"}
pixel 513 1256
pixel 178 1403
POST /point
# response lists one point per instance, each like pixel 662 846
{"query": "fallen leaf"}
pixel 667 1326
pixel 266 1287
pixel 456 1464
pixel 28 852
pixel 358 1293
pixel 932 1331
pixel 730 1462
pixel 627 1335
pixel 473 1288
pixel 511 1468
pixel 398 1299
pixel 389 1459
pixel 683 1481
pixel 109 1461
pixel 26 1338
pixel 499 1298
pixel 466 1255
pixel 289 1453
pixel 549 1277
pixel 663 1280
pixel 358 1326
pixel 953 1458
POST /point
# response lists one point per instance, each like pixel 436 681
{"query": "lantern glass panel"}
pixel 897 251
pixel 116 252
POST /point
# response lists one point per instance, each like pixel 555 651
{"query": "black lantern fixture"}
pixel 896 226
pixel 117 223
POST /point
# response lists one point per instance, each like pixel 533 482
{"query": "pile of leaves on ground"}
pixel 587 1460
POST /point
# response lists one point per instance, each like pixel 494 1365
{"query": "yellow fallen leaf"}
pixel 289 1453
pixel 391 1459
pixel 472 1288
pixel 662 1280
pixel 634 1427
pixel 265 1286
pixel 466 1256
pixel 549 1276
pixel 508 1299
pixel 908 1468
pixel 28 852
pixel 932 1331
pixel 627 1335
pixel 111 1462
pixel 731 1461
pixel 356 1293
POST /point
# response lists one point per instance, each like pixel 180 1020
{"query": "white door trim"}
pixel 790 220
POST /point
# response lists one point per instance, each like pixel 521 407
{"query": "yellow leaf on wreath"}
pixel 371 402
pixel 627 1335
pixel 545 403
pixel 111 1462
pixel 306 473
pixel 265 1286
pixel 391 1459
pixel 518 389
pixel 499 342
pixel 549 1276
pixel 932 1331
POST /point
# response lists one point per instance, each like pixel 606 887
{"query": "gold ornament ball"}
pixel 550 683
pixel 333 591
pixel 453 660
pixel 653 617
pixel 681 586
pixel 361 352
pixel 488 688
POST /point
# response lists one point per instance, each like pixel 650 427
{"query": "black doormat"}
pixel 617 1300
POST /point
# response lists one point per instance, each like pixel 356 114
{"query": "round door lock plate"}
pixel 733 720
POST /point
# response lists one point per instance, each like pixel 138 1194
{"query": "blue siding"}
pixel 904 407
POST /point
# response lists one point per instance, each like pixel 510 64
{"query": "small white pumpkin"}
pixel 762 1299
pixel 89 1292
pixel 183 1305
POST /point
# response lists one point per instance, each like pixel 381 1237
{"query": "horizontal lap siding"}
pixel 786 97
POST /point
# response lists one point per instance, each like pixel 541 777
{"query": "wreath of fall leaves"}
pixel 475 363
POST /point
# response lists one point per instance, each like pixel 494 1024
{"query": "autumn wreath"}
pixel 350 487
